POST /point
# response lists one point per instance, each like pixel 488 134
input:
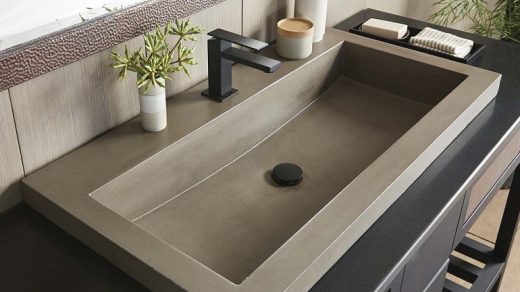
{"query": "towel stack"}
pixel 439 41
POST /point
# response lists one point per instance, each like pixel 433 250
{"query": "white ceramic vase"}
pixel 289 8
pixel 153 108
pixel 315 11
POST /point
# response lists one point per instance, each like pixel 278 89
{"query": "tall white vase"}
pixel 289 8
pixel 315 11
pixel 153 108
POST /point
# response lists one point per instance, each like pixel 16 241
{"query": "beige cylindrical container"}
pixel 294 38
pixel 153 108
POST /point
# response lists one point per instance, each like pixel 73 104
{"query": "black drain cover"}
pixel 287 174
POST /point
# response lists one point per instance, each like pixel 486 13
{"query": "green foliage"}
pixel 159 59
pixel 501 21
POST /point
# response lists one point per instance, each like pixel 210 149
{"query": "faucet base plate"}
pixel 219 97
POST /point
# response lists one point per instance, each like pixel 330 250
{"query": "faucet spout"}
pixel 221 56
pixel 252 60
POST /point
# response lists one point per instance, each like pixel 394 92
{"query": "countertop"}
pixel 37 255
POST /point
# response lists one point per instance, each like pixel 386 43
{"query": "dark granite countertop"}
pixel 38 256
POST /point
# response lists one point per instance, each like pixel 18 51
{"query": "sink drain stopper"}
pixel 287 174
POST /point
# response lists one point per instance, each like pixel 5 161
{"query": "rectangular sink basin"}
pixel 195 207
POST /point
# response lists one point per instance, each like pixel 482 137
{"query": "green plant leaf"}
pixel 501 21
pixel 122 73
pixel 160 59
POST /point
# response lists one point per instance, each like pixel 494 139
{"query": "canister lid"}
pixel 295 27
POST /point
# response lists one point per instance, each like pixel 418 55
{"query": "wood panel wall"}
pixel 226 15
pixel 420 9
pixel 64 109
pixel 11 169
pixel 260 16
pixel 398 7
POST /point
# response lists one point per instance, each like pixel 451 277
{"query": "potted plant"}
pixel 155 65
pixel 501 21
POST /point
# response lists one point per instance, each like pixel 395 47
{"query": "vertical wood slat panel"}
pixel 420 9
pixel 260 16
pixel 63 109
pixel 398 7
pixel 226 15
pixel 11 169
pixel 339 10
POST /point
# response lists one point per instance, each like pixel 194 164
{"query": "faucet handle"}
pixel 238 39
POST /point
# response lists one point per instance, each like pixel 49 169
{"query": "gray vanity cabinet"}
pixel 491 177
pixel 396 284
pixel 427 264
pixel 487 184
pixel 437 283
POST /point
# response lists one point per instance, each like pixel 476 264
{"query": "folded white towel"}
pixel 442 42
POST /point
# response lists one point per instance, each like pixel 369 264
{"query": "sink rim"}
pixel 293 271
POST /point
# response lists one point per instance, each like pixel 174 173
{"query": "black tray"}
pixel 473 57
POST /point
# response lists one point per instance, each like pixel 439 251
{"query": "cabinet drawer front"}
pixel 437 283
pixel 395 286
pixel 433 254
pixel 492 174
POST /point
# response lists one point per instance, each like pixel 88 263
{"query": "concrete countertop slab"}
pixel 63 191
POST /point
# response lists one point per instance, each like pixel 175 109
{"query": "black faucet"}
pixel 221 56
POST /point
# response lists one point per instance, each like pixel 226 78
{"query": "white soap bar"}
pixel 383 28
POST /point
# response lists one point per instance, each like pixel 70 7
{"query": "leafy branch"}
pixel 501 21
pixel 159 60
